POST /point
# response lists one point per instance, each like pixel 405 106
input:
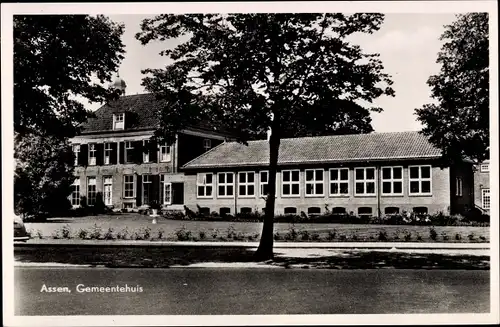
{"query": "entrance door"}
pixel 108 191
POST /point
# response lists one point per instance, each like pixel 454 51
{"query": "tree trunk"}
pixel 265 250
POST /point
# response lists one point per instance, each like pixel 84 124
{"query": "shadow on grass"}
pixel 164 257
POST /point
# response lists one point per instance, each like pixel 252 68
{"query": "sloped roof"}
pixel 144 108
pixel 322 149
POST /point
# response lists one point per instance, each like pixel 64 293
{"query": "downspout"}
pixel 235 192
pixel 379 190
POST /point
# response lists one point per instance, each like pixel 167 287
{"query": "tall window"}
pixel 339 181
pixel 204 183
pixel 392 180
pixel 167 193
pixel 207 144
pixel 128 186
pixel 165 155
pixel 129 151
pixel 145 154
pixel 246 184
pixel 364 181
pixel 264 182
pixel 108 190
pixel 91 190
pixel 92 154
pixel 75 193
pixel 107 153
pixel 485 168
pixel 76 151
pixel 420 180
pixel 225 185
pixel 146 189
pixel 458 186
pixel 314 182
pixel 119 121
pixel 290 185
pixel 485 192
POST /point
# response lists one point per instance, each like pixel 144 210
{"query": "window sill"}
pixel 314 195
pixel 365 195
pixel 246 196
pixel 392 195
pixel 205 197
pixel 339 196
pixel 420 195
pixel 295 196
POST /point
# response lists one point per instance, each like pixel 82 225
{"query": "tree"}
pixel 292 74
pixel 43 175
pixel 458 123
pixel 55 59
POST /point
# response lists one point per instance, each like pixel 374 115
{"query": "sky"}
pixel 408 45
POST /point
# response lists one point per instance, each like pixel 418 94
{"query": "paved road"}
pixel 191 291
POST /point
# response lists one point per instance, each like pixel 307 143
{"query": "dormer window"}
pixel 119 121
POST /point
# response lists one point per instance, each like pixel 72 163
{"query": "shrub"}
pixel 458 236
pixel 231 232
pixel 183 234
pixel 407 236
pixel 471 236
pixel 202 235
pixel 382 235
pixel 161 233
pixel 332 234
pixel 137 236
pixel 433 234
pixel 96 232
pixel 482 238
pixel 147 233
pixel 38 234
pixel 215 233
pixel 278 237
pixel 109 234
pixel 123 234
pixel 445 236
pixel 419 237
pixel 315 236
pixel 83 233
pixel 66 232
pixel 292 234
pixel 354 236
pixel 304 235
pixel 396 235
pixel 56 235
pixel 342 238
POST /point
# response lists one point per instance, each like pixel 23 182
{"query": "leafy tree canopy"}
pixel 55 58
pixel 458 123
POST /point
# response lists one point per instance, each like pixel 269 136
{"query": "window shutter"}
pixel 100 154
pixel 155 188
pixel 153 151
pixel 138 194
pixel 122 152
pixel 84 155
pixel 114 153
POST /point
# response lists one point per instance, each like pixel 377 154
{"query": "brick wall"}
pixel 481 181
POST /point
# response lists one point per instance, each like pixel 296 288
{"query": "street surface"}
pixel 192 291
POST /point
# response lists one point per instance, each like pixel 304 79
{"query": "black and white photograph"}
pixel 249 163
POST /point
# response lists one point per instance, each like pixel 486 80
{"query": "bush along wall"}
pixel 438 219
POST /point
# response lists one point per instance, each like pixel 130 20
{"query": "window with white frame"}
pixel 485 168
pixel 315 182
pixel 92 154
pixel 458 186
pixel 129 151
pixel 76 152
pixel 147 187
pixel 290 183
pixel 119 121
pixel 75 193
pixel 207 144
pixel 107 153
pixel 167 193
pixel 246 184
pixel 364 181
pixel 108 190
pixel 91 190
pixel 145 154
pixel 339 181
pixel 264 182
pixel 225 185
pixel 128 186
pixel 485 197
pixel 392 180
pixel 204 183
pixel 165 155
pixel 420 180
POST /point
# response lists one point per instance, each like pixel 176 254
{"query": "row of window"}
pixel 129 190
pixel 420 182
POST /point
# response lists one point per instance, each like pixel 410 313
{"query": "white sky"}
pixel 408 44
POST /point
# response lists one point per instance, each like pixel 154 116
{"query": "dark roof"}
pixel 321 149
pixel 143 109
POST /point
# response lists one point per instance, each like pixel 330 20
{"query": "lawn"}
pixel 135 223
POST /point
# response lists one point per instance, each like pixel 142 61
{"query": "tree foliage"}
pixel 293 74
pixel 43 175
pixel 56 58
pixel 458 123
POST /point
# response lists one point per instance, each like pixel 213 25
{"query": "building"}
pixel 116 161
pixel 482 198
pixel 366 174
